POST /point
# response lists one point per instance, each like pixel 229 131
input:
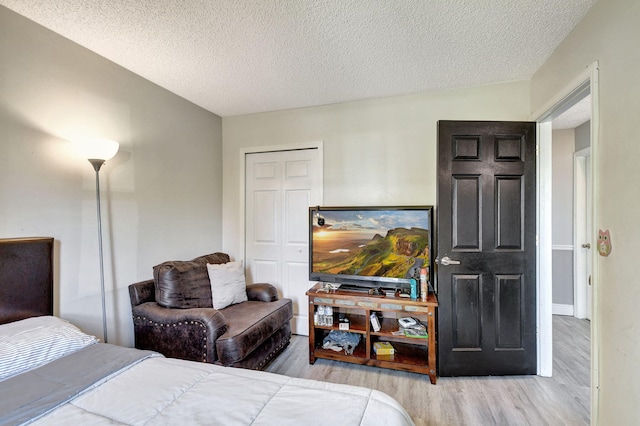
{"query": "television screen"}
pixel 369 246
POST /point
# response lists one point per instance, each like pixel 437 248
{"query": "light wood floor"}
pixel 563 399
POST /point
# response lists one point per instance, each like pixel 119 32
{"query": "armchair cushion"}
pixel 185 284
pixel 249 325
pixel 228 285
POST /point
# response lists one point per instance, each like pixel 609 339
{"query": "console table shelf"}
pixel 410 354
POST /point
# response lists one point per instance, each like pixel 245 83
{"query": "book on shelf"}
pixel 385 357
pixel 383 348
pixel 416 333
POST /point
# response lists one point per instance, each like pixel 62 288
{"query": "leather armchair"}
pixel 249 334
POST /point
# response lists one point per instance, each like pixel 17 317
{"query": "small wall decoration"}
pixel 604 242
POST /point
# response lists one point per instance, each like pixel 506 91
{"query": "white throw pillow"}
pixel 32 342
pixel 228 285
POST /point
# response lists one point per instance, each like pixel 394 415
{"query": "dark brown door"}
pixel 487 223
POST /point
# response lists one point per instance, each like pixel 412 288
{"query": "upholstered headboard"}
pixel 26 278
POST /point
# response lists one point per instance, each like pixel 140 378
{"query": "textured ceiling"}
pixel 243 56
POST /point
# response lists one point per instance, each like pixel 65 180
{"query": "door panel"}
pixel 296 234
pixel 263 228
pixel 467 304
pixel 508 310
pixel 486 221
pixel 280 187
pixel 264 218
pixel 466 225
pixel 509 213
pixel 264 271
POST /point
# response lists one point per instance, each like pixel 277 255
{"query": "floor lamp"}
pixel 97 151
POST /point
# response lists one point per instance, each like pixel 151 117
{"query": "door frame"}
pixel 587 79
pixel 580 257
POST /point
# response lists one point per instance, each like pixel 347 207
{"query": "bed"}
pixel 52 373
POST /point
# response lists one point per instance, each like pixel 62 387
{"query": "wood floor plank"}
pixel 563 399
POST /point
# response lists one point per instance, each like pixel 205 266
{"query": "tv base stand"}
pixel 414 354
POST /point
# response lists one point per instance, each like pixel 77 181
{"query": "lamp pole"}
pixel 97 151
pixel 96 163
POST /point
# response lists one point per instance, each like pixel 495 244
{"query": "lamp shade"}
pixel 99 149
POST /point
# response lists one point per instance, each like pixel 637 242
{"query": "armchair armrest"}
pixel 262 292
pixel 178 333
pixel 142 292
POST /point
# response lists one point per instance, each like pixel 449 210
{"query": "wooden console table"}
pixel 417 355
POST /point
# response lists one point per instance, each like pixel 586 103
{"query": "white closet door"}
pixel 280 187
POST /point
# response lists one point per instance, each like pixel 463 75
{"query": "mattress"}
pixel 107 384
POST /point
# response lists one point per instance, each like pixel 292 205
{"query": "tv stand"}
pixel 417 355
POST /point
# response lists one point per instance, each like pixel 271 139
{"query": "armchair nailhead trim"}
pixel 273 353
pixel 180 323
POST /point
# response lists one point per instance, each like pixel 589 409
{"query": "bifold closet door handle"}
pixel 446 261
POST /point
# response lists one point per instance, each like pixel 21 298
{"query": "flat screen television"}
pixel 370 247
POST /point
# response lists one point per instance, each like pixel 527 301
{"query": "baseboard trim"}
pixel 559 309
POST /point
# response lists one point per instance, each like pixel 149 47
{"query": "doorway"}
pixel 586 82
pixel 572 209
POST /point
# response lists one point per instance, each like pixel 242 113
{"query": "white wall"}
pixel 609 34
pixel 562 190
pixel 161 193
pixel 376 152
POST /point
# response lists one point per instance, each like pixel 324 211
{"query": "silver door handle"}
pixel 445 261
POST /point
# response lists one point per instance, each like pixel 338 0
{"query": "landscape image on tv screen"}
pixel 371 243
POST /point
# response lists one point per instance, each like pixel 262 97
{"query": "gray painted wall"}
pixel 562 270
pixel 161 194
